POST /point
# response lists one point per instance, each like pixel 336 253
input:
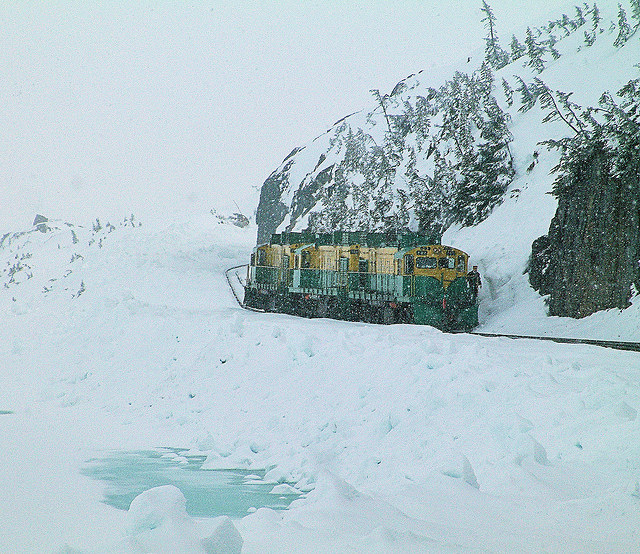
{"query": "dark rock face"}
pixel 271 210
pixel 589 260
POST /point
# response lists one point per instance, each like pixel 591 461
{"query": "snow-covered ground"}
pixel 405 439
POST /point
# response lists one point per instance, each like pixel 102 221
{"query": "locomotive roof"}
pixel 442 248
pixel 398 239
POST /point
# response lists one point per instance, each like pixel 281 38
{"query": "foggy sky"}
pixel 158 107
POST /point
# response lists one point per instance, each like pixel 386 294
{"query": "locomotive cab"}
pixel 443 263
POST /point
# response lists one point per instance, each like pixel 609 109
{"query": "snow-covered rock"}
pixel 158 523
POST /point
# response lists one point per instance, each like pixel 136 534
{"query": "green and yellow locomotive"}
pixel 358 276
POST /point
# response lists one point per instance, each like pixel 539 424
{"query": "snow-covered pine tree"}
pixel 527 98
pixel 535 51
pixel 434 205
pixel 624 29
pixel 589 38
pixel 517 50
pixel 559 106
pixel 487 170
pixel 457 104
pixel 382 100
pixel 419 118
pixel 567 24
pixel 595 18
pixel 635 12
pixel 508 92
pixel 623 131
pixel 486 77
pixel 494 53
pixel 550 44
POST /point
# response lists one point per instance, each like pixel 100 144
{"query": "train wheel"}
pixel 388 315
pixel 322 307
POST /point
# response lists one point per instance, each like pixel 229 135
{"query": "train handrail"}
pixel 233 291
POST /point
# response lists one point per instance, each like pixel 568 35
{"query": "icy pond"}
pixel 209 492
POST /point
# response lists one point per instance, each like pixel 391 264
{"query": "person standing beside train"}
pixel 474 280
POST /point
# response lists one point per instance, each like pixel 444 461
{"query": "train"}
pixel 385 278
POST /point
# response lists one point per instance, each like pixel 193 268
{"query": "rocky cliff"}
pixel 589 261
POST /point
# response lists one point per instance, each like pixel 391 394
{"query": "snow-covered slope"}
pixel 405 439
pixel 501 245
pixel 302 190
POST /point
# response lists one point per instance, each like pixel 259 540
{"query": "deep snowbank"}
pixel 406 439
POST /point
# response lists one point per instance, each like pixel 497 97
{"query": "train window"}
pixel 253 259
pixel 423 262
pixel 262 257
pixel 306 260
pixel 461 264
pixel 447 263
pixel 408 264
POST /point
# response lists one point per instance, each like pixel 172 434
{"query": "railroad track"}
pixel 617 345
pixel 233 287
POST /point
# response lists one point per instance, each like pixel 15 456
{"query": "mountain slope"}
pixel 415 158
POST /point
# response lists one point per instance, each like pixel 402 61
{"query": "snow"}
pixel 158 522
pixel 405 439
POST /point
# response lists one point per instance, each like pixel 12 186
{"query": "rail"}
pixel 616 345
pixel 233 290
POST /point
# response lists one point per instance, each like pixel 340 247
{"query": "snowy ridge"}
pixel 48 259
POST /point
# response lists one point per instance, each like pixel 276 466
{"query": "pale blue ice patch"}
pixel 208 492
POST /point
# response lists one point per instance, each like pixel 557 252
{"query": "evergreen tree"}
pixel 508 92
pixel 623 127
pixel 624 29
pixel 434 207
pixel 559 106
pixel 550 45
pixel 486 79
pixel 595 18
pixel 567 24
pixel 589 38
pixel 419 118
pixel 517 50
pixel 535 52
pixel 527 98
pixel 488 170
pixel 494 53
pixel 635 12
pixel 382 100
pixel 580 19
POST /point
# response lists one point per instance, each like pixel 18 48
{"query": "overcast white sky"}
pixel 148 107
